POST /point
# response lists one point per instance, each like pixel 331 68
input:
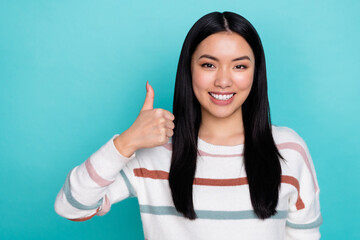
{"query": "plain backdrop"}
pixel 73 74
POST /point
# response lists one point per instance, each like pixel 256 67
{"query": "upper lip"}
pixel 223 93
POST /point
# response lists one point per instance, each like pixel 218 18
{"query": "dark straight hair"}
pixel 261 156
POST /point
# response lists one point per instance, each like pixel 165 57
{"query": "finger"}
pixel 169 124
pixel 168 115
pixel 169 132
pixel 149 99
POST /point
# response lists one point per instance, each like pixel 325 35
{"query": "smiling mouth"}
pixel 222 97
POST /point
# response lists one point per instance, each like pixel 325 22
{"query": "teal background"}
pixel 73 73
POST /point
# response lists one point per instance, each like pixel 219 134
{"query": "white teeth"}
pixel 222 97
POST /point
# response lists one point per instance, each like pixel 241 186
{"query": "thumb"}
pixel 149 99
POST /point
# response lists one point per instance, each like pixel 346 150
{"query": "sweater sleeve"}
pixel 106 177
pixel 304 217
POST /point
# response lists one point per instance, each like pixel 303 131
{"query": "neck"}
pixel 222 131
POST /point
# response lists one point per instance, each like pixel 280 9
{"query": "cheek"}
pixel 200 81
pixel 244 81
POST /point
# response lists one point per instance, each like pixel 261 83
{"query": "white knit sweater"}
pixel 220 192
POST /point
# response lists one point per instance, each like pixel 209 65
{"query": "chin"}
pixel 221 114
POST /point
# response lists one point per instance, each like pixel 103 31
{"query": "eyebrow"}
pixel 215 59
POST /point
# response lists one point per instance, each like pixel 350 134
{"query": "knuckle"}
pixel 158 111
pixel 162 131
pixel 161 121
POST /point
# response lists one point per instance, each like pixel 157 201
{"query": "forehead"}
pixel 224 44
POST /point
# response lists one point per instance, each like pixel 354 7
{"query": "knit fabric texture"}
pixel 220 192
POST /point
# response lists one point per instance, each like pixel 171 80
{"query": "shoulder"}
pixel 298 161
pixel 293 149
pixel 283 135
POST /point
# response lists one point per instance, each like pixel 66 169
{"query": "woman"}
pixel 217 168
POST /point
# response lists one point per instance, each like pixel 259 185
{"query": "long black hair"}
pixel 261 156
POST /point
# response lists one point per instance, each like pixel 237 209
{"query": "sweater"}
pixel 221 194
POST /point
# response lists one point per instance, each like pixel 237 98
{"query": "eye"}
pixel 240 67
pixel 207 65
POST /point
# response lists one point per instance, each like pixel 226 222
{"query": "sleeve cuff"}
pixel 314 224
pixel 108 161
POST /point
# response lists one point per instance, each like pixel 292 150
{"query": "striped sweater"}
pixel 220 192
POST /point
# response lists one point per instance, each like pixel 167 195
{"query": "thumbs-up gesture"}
pixel 152 127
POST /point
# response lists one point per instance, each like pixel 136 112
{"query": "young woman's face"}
pixel 222 70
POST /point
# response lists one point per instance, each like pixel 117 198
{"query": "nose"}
pixel 223 78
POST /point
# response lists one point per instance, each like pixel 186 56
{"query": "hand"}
pixel 152 127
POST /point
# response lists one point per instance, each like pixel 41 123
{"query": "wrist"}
pixel 124 145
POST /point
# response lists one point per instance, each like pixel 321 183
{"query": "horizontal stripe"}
pixel 297 147
pixel 154 174
pixel 205 154
pixel 128 184
pixel 208 214
pixel 286 145
pixel 168 146
pixel 73 202
pixel 163 175
pixel 313 224
pixel 95 176
pixel 221 182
